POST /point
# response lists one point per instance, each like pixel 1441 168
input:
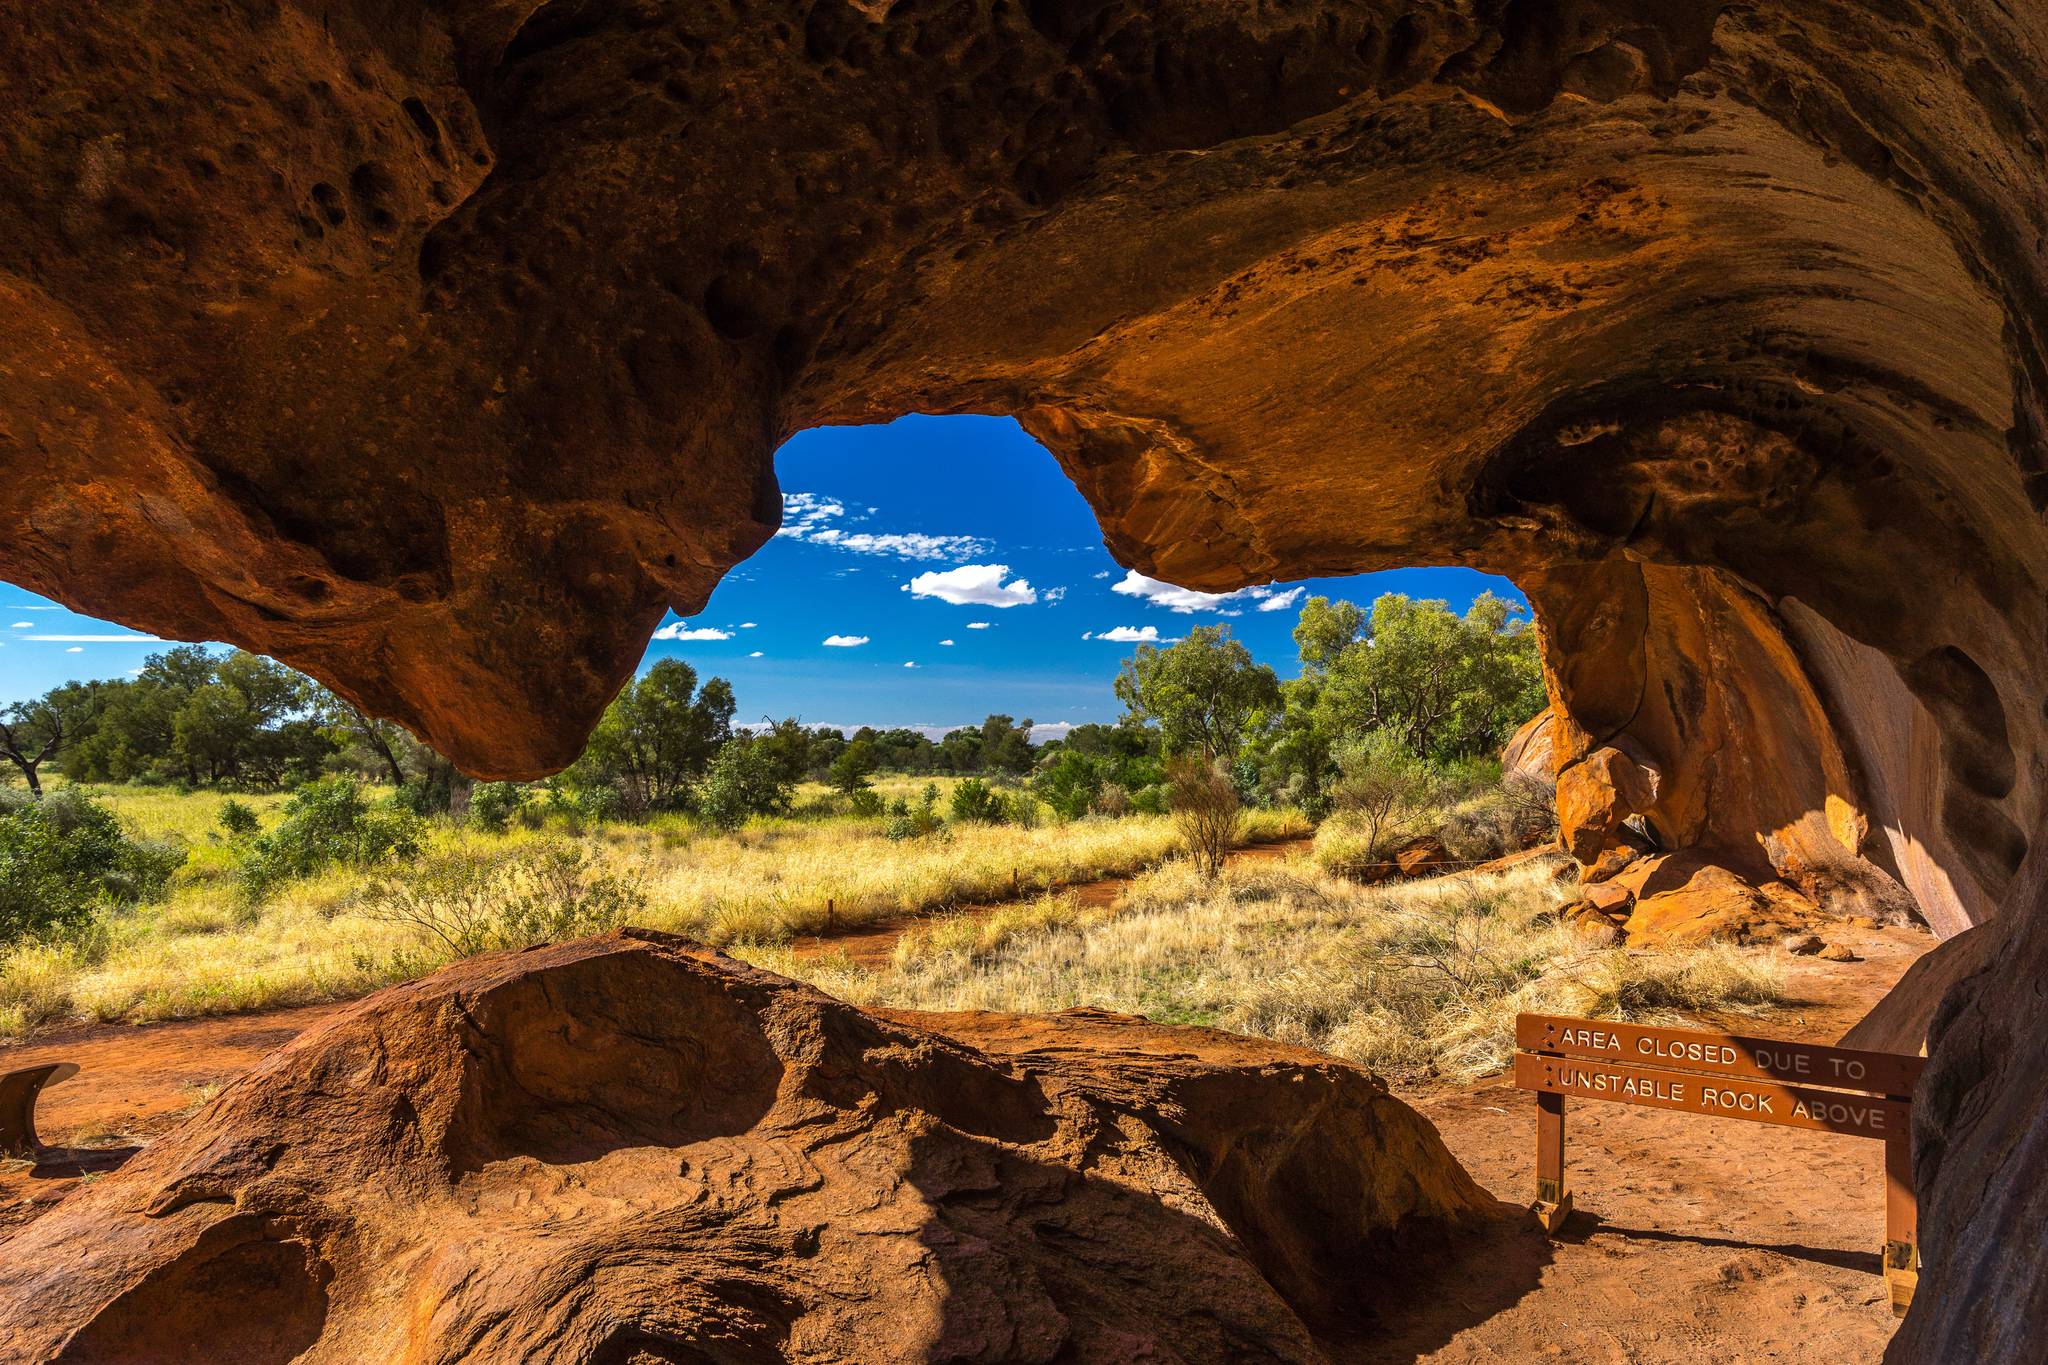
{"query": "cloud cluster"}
pixel 814 517
pixel 974 585
pixel 677 630
pixel 845 641
pixel 1187 600
pixel 1127 635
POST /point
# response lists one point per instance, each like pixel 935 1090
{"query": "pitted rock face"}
pixel 437 349
pixel 633 1148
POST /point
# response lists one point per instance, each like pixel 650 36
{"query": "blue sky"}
pixel 967 568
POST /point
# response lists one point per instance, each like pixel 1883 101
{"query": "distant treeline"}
pixel 1412 675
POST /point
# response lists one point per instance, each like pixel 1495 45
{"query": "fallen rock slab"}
pixel 635 1148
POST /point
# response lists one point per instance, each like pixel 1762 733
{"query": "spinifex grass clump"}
pixel 1416 980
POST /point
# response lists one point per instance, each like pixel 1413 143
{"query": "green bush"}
pixel 915 822
pixel 239 820
pixel 1069 784
pixel 744 779
pixel 65 856
pixel 492 805
pixel 1150 800
pixel 974 800
pixel 325 823
pixel 866 803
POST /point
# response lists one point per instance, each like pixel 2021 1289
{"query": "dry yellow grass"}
pixel 1420 979
pixel 205 951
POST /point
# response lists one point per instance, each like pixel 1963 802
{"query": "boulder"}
pixel 1422 857
pixel 1611 860
pixel 1689 898
pixel 634 1148
pixel 1597 793
pixel 1533 751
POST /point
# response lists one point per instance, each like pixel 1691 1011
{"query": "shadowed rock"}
pixel 437 349
pixel 633 1144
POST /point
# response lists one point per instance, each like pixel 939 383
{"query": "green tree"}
pixel 1447 686
pixel 1204 693
pixel 33 733
pixel 1006 745
pixel 659 735
pixel 849 772
pixel 1069 781
pixel 743 780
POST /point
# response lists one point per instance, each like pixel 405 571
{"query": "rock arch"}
pixel 438 349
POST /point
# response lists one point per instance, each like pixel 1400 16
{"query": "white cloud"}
pixel 746 625
pixel 1055 594
pixel 908 664
pixel 845 641
pixel 24 625
pixel 76 649
pixel 977 625
pixel 974 585
pixel 1182 600
pixel 676 630
pixel 1187 600
pixel 812 517
pixel 945 642
pixel 1128 635
pixel 755 655
pixel 1103 574
pixel 95 639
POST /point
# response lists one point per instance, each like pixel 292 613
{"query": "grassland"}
pixel 1416 980
pixel 207 949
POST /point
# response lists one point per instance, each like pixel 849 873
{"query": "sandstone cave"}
pixel 438 350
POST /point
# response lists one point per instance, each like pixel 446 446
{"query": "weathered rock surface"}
pixel 1692 898
pixel 632 1148
pixel 436 349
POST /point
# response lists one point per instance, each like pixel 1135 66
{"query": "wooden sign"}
pixel 1723 1054
pixel 1831 1089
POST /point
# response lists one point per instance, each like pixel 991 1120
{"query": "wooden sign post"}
pixel 1763 1080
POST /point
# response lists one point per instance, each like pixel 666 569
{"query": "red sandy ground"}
pixel 1697 1241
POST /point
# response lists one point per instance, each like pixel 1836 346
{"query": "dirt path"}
pixel 874 945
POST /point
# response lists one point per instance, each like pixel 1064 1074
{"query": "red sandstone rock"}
pixel 1611 860
pixel 1533 749
pixel 1422 857
pixel 1689 898
pixel 634 1148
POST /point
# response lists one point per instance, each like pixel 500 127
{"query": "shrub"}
pixel 492 805
pixel 1151 799
pixel 744 780
pixel 64 856
pixel 239 820
pixel 474 901
pixel 1113 800
pixel 975 801
pixel 1385 797
pixel 1069 784
pixel 1205 806
pixel 328 822
pixel 908 822
pixel 865 803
